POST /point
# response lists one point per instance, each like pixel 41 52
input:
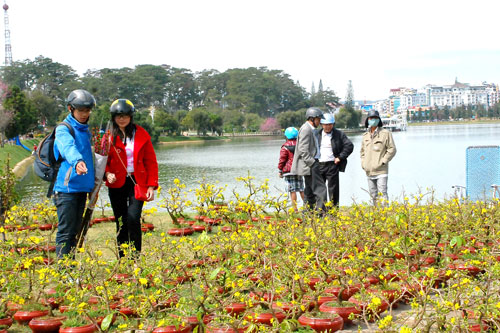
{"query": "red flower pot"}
pixel 46 325
pixel 346 292
pixel 149 226
pixel 90 328
pixel 23 317
pixel 470 269
pixel 224 329
pixel 200 228
pixel 343 311
pixel 364 308
pixel 45 227
pixel 127 311
pixel 172 329
pixel 181 231
pixel 236 308
pixel 322 324
pixel 267 317
pixel 100 220
pixel 226 229
pixel 210 221
pixel 6 321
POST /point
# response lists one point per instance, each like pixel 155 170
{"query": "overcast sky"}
pixel 378 44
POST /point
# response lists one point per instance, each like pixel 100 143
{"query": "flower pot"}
pixel 322 324
pixel 45 227
pixel 46 324
pixel 266 318
pixel 220 328
pixel 342 311
pixel 226 229
pixel 210 221
pixel 23 317
pixel 148 226
pixel 127 311
pixel 172 328
pixel 346 292
pixel 89 328
pixel 178 232
pixel 201 228
pixel 6 321
pixel 236 308
pixel 363 305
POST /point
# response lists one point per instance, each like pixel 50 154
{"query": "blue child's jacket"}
pixel 74 150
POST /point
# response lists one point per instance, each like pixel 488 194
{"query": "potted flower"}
pixel 322 321
pixel 77 323
pixel 46 324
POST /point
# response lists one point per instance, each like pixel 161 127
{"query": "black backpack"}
pixel 46 165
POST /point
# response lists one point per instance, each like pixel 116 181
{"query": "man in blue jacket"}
pixel 75 178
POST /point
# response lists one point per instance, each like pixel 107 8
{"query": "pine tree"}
pixel 320 86
pixel 313 89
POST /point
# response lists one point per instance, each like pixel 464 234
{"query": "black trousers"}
pixel 321 172
pixel 127 211
pixel 309 197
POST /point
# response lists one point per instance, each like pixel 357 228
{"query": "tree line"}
pixel 169 100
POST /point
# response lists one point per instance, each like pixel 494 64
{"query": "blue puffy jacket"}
pixel 74 150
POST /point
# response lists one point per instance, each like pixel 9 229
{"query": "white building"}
pixel 455 95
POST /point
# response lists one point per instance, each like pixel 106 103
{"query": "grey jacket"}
pixel 305 151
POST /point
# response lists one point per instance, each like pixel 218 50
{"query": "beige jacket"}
pixel 377 151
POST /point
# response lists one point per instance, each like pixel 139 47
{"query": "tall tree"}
pixel 24 113
pixel 5 114
pixel 320 86
pixel 313 89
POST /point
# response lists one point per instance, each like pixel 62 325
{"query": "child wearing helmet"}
pixel 75 178
pixel 294 183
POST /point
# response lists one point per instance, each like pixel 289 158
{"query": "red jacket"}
pixel 286 156
pixel 145 164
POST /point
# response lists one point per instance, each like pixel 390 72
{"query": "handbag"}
pixel 140 191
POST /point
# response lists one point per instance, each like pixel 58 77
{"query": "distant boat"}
pixel 395 123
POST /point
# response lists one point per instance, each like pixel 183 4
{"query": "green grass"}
pixel 189 138
pixel 16 153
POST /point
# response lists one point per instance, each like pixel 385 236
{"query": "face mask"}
pixel 373 122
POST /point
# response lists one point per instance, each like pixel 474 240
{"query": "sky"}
pixel 378 45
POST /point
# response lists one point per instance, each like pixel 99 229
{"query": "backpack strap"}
pixel 59 159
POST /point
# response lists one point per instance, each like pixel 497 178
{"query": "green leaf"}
pixel 214 273
pixel 106 322
pixel 458 241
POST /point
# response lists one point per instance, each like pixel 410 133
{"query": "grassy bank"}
pixel 16 153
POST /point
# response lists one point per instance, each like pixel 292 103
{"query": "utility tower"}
pixel 8 48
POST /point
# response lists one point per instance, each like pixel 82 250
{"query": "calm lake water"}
pixel 428 157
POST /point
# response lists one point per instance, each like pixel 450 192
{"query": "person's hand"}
pixel 337 160
pixel 111 177
pixel 150 194
pixel 281 175
pixel 81 168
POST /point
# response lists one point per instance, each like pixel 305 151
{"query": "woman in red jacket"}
pixel 131 161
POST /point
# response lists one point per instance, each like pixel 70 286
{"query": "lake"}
pixel 428 157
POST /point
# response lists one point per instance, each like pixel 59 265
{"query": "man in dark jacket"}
pixel 334 148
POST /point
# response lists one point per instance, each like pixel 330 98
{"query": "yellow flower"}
pixel 143 281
